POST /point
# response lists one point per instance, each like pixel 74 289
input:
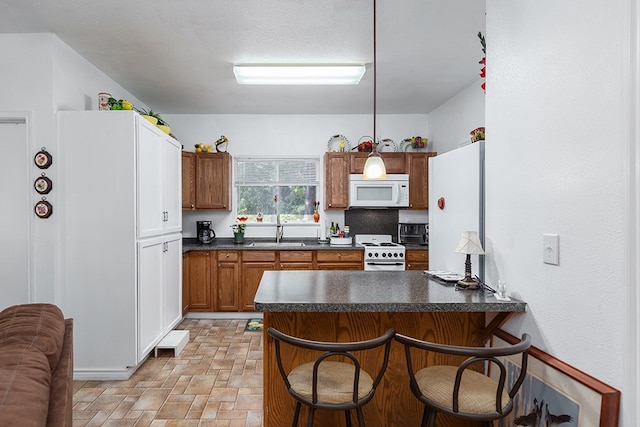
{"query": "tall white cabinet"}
pixel 120 219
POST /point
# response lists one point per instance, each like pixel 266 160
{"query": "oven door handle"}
pixel 384 263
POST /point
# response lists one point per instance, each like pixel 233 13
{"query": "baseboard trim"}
pixel 219 315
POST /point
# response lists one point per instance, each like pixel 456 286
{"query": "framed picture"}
pixel 555 393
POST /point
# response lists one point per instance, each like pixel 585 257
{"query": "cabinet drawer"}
pixel 296 256
pixel 258 256
pixel 340 256
pixel 417 256
pixel 227 255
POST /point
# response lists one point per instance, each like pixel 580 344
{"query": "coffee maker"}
pixel 205 232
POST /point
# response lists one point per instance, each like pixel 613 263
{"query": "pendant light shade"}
pixel 374 167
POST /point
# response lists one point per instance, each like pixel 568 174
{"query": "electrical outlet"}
pixel 550 249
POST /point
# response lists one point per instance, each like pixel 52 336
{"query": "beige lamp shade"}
pixel 374 167
pixel 469 244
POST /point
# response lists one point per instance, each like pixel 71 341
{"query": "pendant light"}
pixel 374 167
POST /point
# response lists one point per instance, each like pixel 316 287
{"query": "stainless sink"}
pixel 275 245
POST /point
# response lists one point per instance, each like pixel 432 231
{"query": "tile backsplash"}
pixel 372 221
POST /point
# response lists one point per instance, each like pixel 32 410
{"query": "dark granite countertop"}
pixel 367 291
pixel 192 244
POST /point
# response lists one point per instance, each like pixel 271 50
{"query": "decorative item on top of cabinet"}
pixel 336 180
pixel 342 141
pixel 417 259
pixel 212 182
pixel 418 170
pixel 387 145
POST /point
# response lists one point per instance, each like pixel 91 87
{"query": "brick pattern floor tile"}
pixel 216 381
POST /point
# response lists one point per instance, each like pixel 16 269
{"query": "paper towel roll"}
pixel 323 230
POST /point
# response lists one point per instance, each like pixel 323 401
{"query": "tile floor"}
pixel 216 381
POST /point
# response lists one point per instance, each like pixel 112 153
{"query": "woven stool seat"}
pixel 334 379
pixel 335 382
pixel 477 391
pixel 462 391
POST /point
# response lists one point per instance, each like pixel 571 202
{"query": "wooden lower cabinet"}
pixel 393 404
pixel 254 263
pixel 417 259
pixel 198 281
pixel 340 260
pixel 227 284
pixel 227 280
pixel 295 260
pixel 185 283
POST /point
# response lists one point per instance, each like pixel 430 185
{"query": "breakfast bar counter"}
pixel 359 305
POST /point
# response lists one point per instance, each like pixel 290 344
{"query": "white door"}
pixel 150 294
pixel 172 313
pixel 16 213
pixel 151 212
pixel 172 175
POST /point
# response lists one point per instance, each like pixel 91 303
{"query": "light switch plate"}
pixel 550 249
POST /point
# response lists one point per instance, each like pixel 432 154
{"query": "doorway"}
pixel 15 215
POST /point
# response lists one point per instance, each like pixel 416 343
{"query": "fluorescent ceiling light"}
pixel 298 74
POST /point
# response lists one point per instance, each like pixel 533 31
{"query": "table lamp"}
pixel 469 244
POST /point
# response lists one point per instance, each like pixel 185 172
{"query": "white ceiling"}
pixel 177 55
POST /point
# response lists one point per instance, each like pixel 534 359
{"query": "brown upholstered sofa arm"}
pixel 36 366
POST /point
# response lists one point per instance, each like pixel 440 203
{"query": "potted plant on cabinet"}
pixel 156 119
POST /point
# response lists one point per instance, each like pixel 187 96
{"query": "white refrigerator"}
pixel 456 204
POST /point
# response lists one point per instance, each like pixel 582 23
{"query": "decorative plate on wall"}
pixel 43 159
pixel 43 184
pixel 43 208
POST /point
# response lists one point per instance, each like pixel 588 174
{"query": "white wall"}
pixel 278 135
pixel 557 140
pixel 39 75
pixel 450 124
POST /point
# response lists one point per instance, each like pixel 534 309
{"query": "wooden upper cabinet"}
pixel 336 180
pixel 213 181
pixel 417 166
pixel 393 162
pixel 188 177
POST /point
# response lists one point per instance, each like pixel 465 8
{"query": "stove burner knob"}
pixel 401 254
pixel 376 254
pixel 384 254
pixel 395 255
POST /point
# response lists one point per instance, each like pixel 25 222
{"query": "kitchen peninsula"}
pixel 358 305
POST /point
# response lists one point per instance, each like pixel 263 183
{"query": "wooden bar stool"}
pixel 338 384
pixel 462 392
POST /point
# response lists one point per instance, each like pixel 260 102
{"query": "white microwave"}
pixel 392 192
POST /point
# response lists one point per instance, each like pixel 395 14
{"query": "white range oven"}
pixel 380 253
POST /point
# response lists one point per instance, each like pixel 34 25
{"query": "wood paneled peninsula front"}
pixel 358 305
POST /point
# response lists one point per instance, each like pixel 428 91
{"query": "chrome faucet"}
pixel 279 229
